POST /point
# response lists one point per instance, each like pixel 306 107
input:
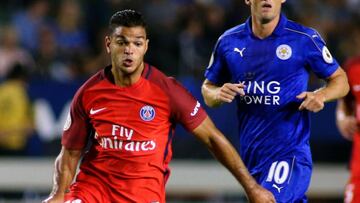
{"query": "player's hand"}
pixel 54 199
pixel 347 126
pixel 259 194
pixel 312 101
pixel 228 91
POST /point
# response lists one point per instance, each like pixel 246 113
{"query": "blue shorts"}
pixel 287 178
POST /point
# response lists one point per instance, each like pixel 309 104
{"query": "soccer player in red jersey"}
pixel 348 122
pixel 126 114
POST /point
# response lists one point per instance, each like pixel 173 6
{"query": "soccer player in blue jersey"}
pixel 264 65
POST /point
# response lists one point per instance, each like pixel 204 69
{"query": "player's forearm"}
pixel 337 86
pixel 227 155
pixel 222 149
pixel 209 91
pixel 65 169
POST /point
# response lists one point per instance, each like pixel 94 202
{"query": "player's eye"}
pixel 138 44
pixel 121 42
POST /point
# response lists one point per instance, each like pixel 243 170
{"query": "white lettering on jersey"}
pixel 356 88
pixel 196 109
pixel 67 122
pixel 254 88
pixel 122 131
pixel 131 146
pixel 74 201
pixel 117 141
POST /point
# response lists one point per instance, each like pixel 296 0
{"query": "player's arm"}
pixel 65 169
pixel 337 86
pixel 221 148
pixel 215 95
pixel 345 116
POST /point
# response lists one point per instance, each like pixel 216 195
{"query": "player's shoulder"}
pixel 234 30
pixel 93 80
pixel 302 30
pixel 230 34
pixel 168 84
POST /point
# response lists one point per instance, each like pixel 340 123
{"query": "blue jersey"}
pixel 274 70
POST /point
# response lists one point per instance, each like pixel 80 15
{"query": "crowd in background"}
pixel 63 40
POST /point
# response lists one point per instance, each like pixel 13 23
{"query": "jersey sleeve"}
pixel 185 109
pixel 319 58
pixel 217 72
pixel 76 128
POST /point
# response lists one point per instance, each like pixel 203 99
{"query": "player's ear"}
pixel 247 2
pixel 146 45
pixel 107 44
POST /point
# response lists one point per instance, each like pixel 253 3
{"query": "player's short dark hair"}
pixel 126 18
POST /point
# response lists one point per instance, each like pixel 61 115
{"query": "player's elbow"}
pixel 208 102
pixel 346 89
pixel 209 99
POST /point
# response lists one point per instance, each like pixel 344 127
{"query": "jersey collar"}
pixel 278 29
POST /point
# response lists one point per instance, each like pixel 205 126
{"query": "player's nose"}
pixel 128 49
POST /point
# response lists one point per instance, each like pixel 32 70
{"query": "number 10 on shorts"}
pixel 279 172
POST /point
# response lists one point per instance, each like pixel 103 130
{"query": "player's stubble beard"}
pixel 126 76
pixel 267 18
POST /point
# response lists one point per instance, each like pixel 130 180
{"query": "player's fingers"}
pixel 240 85
pixel 225 97
pixel 232 90
pixel 310 106
pixel 303 105
pixel 235 88
pixel 240 89
pixel 302 95
pixel 228 91
pixel 315 106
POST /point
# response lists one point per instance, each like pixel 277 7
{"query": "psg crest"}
pixel 147 113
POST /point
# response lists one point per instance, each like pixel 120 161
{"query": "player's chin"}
pixel 128 70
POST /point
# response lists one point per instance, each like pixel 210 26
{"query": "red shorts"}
pixel 87 192
pixel 88 189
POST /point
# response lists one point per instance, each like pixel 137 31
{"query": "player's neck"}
pixel 263 30
pixel 126 79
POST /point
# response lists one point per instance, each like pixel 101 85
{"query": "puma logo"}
pixel 277 187
pixel 240 51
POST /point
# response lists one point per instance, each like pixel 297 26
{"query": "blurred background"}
pixel 49 48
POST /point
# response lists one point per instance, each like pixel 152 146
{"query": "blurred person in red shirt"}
pixel 348 122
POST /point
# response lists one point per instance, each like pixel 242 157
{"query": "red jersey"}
pixel 131 130
pixel 353 72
